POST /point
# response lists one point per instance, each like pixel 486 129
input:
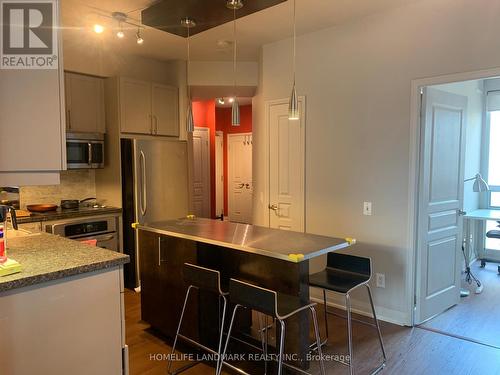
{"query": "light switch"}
pixel 367 208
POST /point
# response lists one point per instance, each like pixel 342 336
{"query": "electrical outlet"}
pixel 367 208
pixel 380 278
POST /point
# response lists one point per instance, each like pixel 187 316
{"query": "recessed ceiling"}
pixel 166 15
pixel 254 30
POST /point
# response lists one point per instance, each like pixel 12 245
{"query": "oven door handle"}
pixel 105 238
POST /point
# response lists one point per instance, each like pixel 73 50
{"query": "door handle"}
pixel 273 207
pixel 241 186
pixel 143 201
pixel 462 213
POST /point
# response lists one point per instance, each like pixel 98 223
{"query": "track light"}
pixel 98 29
pixel 221 101
pixel 138 36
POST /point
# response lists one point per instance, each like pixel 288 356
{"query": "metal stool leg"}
pixel 349 332
pixel 221 361
pixel 326 315
pixel 376 322
pixel 282 347
pixel 221 331
pixel 178 330
pixel 318 341
pixel 263 338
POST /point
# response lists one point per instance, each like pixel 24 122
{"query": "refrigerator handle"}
pixel 143 198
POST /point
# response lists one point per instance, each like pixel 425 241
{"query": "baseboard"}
pixel 362 308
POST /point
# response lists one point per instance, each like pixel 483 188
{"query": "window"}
pixel 493 167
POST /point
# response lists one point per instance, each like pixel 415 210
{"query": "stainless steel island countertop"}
pixel 276 243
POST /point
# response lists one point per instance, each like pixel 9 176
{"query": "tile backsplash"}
pixel 76 184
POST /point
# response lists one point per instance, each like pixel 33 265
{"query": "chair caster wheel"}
pixel 483 263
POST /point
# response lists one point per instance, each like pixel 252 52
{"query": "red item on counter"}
pixel 3 255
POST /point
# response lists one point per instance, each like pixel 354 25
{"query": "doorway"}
pixel 200 192
pixel 455 191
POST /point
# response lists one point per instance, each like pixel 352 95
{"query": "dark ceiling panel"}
pixel 166 15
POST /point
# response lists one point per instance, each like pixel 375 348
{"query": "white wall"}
pixel 357 81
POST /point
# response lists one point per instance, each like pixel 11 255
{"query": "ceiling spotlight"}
pixel 188 22
pixel 138 36
pixel 98 28
pixel 231 100
pixel 221 101
pixel 234 4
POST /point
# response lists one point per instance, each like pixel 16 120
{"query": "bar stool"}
pixel 342 275
pixel 268 302
pixel 203 279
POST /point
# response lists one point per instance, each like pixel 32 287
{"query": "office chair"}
pixel 494 233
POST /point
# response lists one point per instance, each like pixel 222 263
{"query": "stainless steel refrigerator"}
pixel 155 188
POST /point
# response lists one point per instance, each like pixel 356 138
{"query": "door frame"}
pixel 414 171
pixel 267 131
pixel 229 169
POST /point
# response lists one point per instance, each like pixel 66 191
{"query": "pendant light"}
pixel 293 104
pixel 235 108
pixel 188 24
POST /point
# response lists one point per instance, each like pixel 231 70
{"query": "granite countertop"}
pixel 282 244
pixel 46 257
pixel 65 214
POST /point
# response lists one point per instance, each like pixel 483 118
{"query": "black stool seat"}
pixel 337 280
pixel 493 234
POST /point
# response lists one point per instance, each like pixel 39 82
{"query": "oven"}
pixel 103 229
pixel 85 150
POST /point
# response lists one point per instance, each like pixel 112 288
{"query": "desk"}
pixel 480 215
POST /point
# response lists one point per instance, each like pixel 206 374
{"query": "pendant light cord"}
pixel 234 52
pixel 294 40
pixel 188 63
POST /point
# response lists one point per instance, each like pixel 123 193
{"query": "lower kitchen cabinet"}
pixel 163 289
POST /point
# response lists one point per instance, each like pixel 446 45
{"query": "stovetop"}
pixel 69 213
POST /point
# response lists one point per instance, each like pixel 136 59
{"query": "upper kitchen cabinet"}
pixel 84 103
pixel 165 110
pixel 32 123
pixel 148 108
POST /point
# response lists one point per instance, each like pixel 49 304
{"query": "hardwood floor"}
pixel 476 317
pixel 409 350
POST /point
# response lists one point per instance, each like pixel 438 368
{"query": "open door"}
pixel 440 207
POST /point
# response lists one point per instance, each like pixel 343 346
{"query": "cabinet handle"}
pixel 151 124
pixel 156 124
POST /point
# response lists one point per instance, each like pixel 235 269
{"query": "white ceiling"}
pixel 253 31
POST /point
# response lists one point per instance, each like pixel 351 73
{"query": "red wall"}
pixel 204 117
pixel 223 123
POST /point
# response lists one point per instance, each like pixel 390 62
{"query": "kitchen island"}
pixel 63 313
pixel 271 258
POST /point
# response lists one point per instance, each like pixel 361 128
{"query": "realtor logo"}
pixel 28 39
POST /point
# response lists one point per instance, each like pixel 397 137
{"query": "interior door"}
pixel 286 167
pixel 200 194
pixel 240 181
pixel 165 108
pixel 135 106
pixel 440 202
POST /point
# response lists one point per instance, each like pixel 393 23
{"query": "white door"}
pixel 84 103
pixel 240 181
pixel 286 167
pixel 135 106
pixel 165 109
pixel 200 150
pixel 219 173
pixel 441 183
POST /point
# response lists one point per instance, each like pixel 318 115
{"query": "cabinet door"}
pixel 165 110
pixel 135 106
pixel 84 103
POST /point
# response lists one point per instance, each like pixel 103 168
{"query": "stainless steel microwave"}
pixel 85 150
